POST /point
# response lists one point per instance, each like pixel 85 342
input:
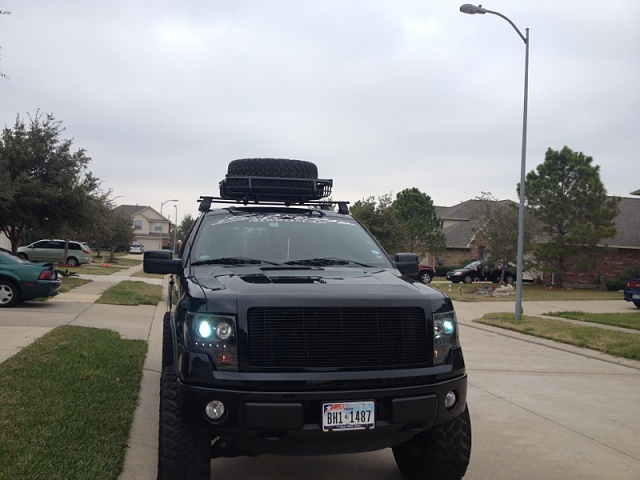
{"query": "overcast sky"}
pixel 382 95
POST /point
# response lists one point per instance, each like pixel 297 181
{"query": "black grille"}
pixel 337 337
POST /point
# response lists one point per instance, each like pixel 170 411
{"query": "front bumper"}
pixel 291 422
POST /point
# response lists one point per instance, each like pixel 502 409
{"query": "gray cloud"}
pixel 381 95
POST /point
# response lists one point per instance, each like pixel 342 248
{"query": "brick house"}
pixel 613 255
pixel 149 227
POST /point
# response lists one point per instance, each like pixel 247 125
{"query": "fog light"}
pixel 214 409
pixel 450 400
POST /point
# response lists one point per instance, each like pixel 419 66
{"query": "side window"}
pixel 57 245
pixel 137 224
pixel 41 244
pixel 74 246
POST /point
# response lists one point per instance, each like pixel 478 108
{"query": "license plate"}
pixel 635 296
pixel 348 416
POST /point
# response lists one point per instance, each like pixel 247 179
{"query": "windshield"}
pixel 473 265
pixel 280 238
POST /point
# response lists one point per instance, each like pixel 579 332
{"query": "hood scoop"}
pixel 261 278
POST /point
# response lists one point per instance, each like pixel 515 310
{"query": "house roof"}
pixel 130 210
pixel 627 225
pixel 462 226
pixel 461 222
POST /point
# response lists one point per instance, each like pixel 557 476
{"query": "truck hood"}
pixel 311 281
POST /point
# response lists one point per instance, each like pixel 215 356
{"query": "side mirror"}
pixel 160 261
pixel 407 263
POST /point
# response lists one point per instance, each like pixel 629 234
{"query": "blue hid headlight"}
pixel 445 332
pixel 215 335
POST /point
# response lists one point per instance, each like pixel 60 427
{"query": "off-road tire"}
pixel 9 293
pixel 272 167
pixel 441 453
pixel 183 454
pixel 167 342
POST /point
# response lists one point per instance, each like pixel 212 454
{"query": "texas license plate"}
pixel 348 416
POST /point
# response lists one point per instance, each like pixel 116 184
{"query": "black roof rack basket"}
pixel 274 189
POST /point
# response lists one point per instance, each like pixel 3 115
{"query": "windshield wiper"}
pixel 232 261
pixel 325 262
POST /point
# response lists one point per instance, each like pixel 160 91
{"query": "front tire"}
pixel 637 304
pixel 9 293
pixel 425 278
pixel 73 262
pixel 183 454
pixel 441 453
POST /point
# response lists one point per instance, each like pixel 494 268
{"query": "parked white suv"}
pixel 53 251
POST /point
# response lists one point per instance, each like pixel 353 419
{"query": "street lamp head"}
pixel 472 9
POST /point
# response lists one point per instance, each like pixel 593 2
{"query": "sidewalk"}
pixel 90 292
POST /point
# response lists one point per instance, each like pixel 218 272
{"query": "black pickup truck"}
pixel 290 331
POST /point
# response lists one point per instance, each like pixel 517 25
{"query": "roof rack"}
pixel 206 201
pixel 276 189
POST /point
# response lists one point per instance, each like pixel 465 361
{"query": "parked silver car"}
pixel 52 250
pixel 136 248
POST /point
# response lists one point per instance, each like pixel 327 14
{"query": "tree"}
pixel 418 217
pixel 379 218
pixel 569 198
pixel 498 227
pixel 46 186
pixel 185 225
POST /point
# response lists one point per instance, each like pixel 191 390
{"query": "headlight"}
pixel 457 274
pixel 215 335
pixel 445 333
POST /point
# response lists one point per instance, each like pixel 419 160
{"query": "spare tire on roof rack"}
pixel 273 179
pixel 272 167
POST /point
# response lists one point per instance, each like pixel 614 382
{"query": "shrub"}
pixel 614 284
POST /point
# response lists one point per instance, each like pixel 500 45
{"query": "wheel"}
pixel 182 453
pixel 73 262
pixel 508 278
pixel 468 279
pixel 637 304
pixel 9 293
pixel 167 341
pixel 441 453
pixel 425 278
pixel 272 167
pixel 23 256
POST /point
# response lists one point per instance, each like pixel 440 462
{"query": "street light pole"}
pixel 472 9
pixel 162 205
pixel 175 230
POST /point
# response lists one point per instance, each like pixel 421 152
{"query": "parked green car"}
pixel 22 280
pixel 52 250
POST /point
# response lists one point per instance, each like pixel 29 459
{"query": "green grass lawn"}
pixel 69 283
pixel 132 293
pixel 625 320
pixel 478 293
pixel 620 344
pixel 67 403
